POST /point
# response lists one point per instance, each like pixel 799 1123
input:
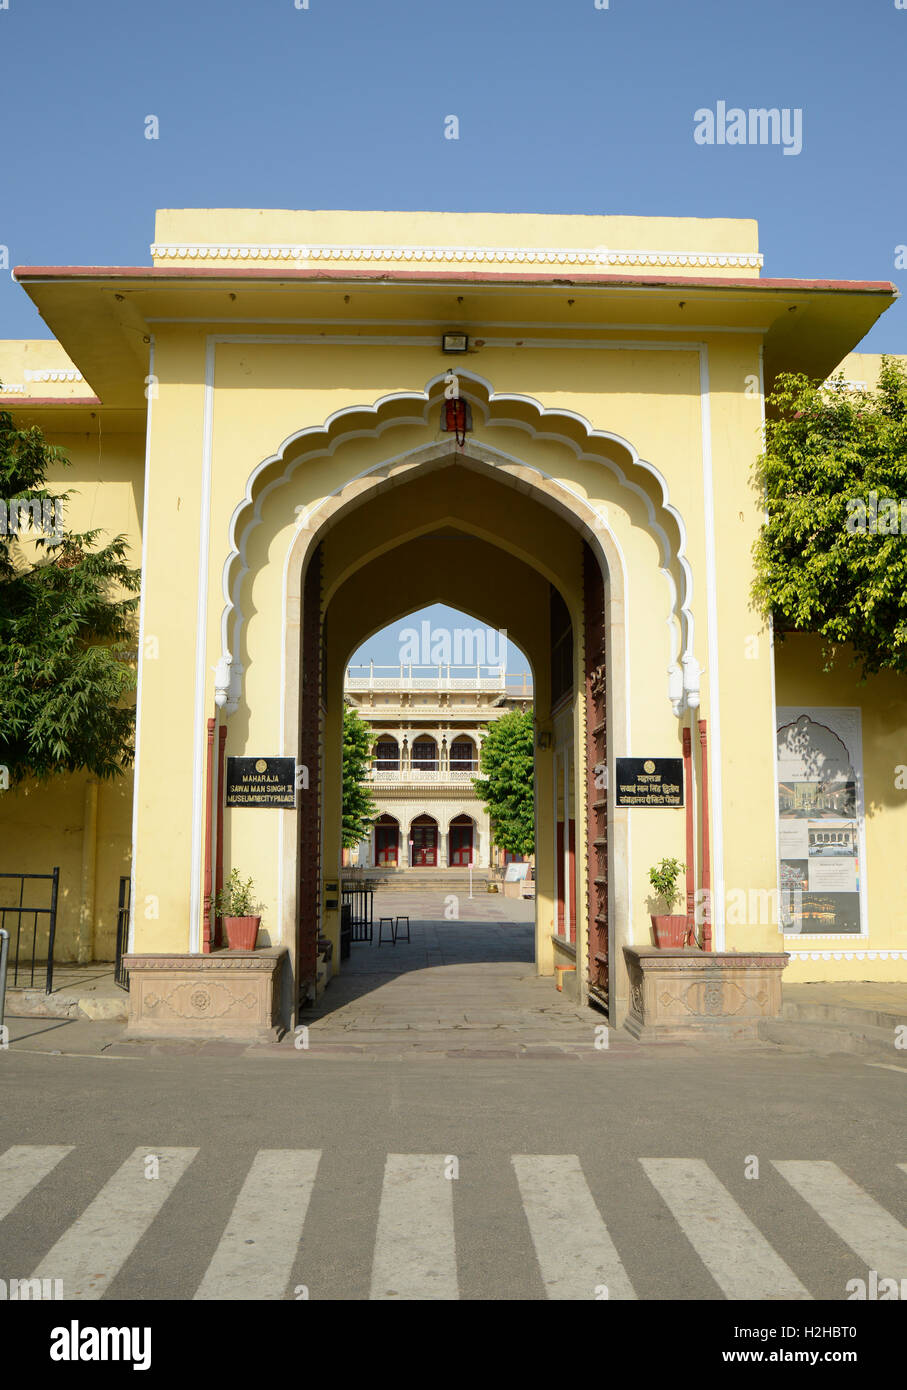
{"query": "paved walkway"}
pixel 463 984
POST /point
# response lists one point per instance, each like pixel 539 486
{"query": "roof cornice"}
pixel 150 274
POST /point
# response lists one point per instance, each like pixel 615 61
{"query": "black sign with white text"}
pixel 649 782
pixel 261 782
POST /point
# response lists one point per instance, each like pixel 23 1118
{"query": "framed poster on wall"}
pixel 821 842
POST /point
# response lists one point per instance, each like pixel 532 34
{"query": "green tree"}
pixel 359 809
pixel 832 557
pixel 507 789
pixel 67 633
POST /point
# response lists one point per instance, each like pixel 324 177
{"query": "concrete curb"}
pixel 830 1036
pixel 34 1003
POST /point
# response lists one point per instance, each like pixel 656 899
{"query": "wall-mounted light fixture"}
pixel 454 342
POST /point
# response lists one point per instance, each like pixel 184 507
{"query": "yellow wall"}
pixel 42 825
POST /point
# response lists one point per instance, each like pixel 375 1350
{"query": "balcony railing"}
pixel 385 776
pixel 480 677
pixel 430 683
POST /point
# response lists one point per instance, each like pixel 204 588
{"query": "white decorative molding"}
pixel 846 955
pixel 68 375
pixel 506 255
pixel 20 388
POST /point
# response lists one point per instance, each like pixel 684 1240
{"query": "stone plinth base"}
pixel 676 993
pixel 228 994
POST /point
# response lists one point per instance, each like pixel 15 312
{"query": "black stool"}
pixel 390 923
pixel 397 928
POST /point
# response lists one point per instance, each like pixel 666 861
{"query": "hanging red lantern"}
pixel 456 415
pixel 456 418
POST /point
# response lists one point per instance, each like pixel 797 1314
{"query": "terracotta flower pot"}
pixel 242 932
pixel 670 931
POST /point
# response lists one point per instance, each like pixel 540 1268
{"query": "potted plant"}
pixel 234 903
pixel 671 929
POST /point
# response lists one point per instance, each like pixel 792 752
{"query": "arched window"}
pixel 425 754
pixel 463 756
pixel 387 755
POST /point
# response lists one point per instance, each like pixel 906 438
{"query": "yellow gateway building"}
pixel 310 423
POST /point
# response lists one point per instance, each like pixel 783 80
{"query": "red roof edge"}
pixel 558 277
pixel 14 402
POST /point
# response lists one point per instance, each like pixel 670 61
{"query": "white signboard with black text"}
pixel 821 844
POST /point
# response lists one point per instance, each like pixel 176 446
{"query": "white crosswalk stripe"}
pixel 576 1254
pixel 258 1247
pixel 415 1252
pixel 22 1167
pixel 98 1243
pixel 737 1256
pixel 862 1223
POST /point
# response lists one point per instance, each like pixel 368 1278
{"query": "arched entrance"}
pixel 452 532
pixel 387 842
pixel 460 839
pixel 423 843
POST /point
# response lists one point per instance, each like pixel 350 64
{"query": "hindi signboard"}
pixel 649 782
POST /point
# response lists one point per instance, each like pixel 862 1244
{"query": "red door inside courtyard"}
pixel 461 841
pixel 424 835
pixel 387 837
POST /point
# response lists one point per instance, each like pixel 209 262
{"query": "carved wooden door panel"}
pixel 596 777
pixel 309 798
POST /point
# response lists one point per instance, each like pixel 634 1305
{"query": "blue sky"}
pixel 395 644
pixel 563 107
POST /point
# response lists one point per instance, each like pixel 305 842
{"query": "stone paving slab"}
pixel 88 991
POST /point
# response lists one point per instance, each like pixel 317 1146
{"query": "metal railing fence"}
pixel 20 910
pixel 120 973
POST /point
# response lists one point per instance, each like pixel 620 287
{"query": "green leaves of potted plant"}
pixel 670 929
pixel 235 904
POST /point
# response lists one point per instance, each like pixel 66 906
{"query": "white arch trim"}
pixel 684 671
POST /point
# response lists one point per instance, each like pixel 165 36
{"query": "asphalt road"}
pixel 521 1179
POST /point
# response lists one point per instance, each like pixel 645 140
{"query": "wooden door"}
pixel 309 798
pixel 461 844
pixel 596 777
pixel 386 844
pixel 425 846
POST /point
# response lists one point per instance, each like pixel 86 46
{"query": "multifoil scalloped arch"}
pixel 560 426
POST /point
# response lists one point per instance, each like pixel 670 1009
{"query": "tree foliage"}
pixel 67 641
pixel 832 556
pixel 359 809
pixel 508 787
